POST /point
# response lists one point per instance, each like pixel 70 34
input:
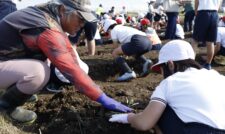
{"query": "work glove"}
pixel 120 118
pixel 112 104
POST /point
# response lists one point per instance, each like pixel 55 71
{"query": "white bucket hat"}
pixel 175 50
pixel 107 23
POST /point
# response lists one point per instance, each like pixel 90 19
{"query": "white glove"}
pixel 120 118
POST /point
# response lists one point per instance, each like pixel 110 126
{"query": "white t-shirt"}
pixel 97 35
pixel 221 36
pixel 221 23
pixel 171 6
pixel 153 36
pixel 179 31
pixel 151 9
pixel 209 5
pixel 160 10
pixel 124 11
pixel 195 96
pixel 123 34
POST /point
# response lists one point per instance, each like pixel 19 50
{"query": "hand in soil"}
pixel 120 118
pixel 112 104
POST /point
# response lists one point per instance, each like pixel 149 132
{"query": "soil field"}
pixel 70 112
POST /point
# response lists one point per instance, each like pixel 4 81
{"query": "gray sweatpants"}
pixel 29 75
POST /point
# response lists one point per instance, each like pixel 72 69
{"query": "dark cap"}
pixel 81 6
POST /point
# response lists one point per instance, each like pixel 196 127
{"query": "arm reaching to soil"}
pixel 111 104
pixel 57 47
pixel 142 121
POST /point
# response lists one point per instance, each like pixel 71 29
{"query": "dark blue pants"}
pixel 171 25
pixel 188 18
pixel 138 46
pixel 170 123
pixel 6 7
pixel 205 28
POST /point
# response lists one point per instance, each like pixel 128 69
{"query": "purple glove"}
pixel 112 104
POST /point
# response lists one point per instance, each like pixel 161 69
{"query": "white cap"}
pixel 107 23
pixel 175 50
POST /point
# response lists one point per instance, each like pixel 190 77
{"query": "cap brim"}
pixel 88 16
pixel 156 67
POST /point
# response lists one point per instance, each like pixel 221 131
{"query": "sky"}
pixel 131 5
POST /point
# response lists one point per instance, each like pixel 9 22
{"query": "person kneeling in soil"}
pixel 31 35
pixel 190 100
pixel 134 42
pixel 151 34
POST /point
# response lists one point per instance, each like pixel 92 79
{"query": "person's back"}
pixel 124 33
pixel 179 31
pixel 170 6
pixel 12 26
pixel 209 4
pixel 189 94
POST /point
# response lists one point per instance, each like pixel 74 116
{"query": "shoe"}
pixel 10 101
pixel 33 98
pixel 54 88
pixel 127 76
pixel 23 116
pixel 207 66
pixel 146 68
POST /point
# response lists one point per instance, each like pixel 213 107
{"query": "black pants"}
pixel 188 18
pixel 170 123
pixel 171 25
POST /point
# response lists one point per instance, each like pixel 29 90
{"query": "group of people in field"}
pixel 39 42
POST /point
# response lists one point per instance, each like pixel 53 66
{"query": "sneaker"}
pixel 33 98
pixel 54 88
pixel 207 66
pixel 146 68
pixel 127 76
pixel 23 116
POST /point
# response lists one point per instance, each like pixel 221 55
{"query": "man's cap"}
pixel 175 50
pixel 81 6
pixel 107 23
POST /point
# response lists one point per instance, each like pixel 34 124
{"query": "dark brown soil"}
pixel 70 112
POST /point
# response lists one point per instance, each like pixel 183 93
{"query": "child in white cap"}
pixel 186 101
pixel 130 42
